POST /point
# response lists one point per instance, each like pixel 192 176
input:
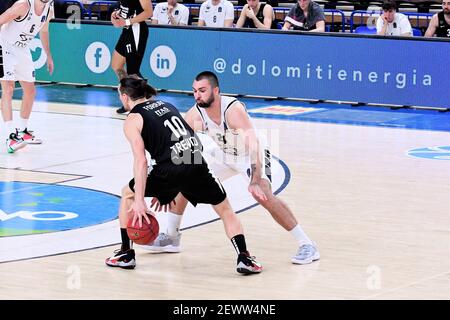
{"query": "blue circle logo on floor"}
pixel 30 208
pixel 435 153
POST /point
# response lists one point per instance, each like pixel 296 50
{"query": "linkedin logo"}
pixel 98 57
pixel 163 61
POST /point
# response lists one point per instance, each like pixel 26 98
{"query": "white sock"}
pixel 9 127
pixel 23 124
pixel 173 223
pixel 300 235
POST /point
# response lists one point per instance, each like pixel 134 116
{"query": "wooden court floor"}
pixel 380 218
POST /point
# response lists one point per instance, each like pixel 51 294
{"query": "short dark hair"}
pixel 210 76
pixel 388 5
pixel 136 87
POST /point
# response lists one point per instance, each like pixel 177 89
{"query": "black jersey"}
pixel 443 29
pixel 260 16
pixel 166 134
pixel 130 8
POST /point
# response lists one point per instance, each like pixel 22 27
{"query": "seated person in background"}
pixel 440 23
pixel 305 15
pixel 216 13
pixel 392 23
pixel 171 13
pixel 257 15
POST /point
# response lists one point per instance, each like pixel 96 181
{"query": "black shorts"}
pixel 195 182
pixel 131 45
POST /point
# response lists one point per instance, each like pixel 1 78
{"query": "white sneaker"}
pixel 306 254
pixel 14 143
pixel 28 137
pixel 164 243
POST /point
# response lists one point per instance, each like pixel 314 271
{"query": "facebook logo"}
pixel 98 57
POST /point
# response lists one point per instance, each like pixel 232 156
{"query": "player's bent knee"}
pixel 127 193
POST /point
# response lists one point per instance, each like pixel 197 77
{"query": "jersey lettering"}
pixel 176 126
pixel 123 12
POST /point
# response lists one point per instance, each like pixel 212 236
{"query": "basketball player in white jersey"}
pixel 225 120
pixel 216 13
pixel 19 25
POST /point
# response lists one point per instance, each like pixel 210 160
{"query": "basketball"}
pixel 146 234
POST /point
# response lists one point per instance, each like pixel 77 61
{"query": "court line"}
pixel 82 160
pixel 75 176
pixel 25 189
pixel 49 172
pixel 36 85
pixel 60 254
pixel 406 285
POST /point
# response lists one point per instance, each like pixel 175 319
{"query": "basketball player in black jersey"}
pixel 440 22
pixel 257 15
pixel 157 127
pixel 130 48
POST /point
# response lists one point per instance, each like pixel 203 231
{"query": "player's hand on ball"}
pixel 139 209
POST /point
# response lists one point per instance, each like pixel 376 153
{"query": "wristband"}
pixel 128 22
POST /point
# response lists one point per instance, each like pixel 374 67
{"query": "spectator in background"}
pixel 171 13
pixel 392 23
pixel 216 13
pixel 257 15
pixel 440 23
pixel 305 15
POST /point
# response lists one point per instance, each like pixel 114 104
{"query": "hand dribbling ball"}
pixel 146 234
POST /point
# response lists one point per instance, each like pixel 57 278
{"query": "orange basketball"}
pixel 146 234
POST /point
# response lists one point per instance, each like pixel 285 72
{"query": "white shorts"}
pixel 218 160
pixel 16 64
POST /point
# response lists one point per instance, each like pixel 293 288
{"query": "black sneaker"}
pixel 247 264
pixel 125 260
pixel 121 110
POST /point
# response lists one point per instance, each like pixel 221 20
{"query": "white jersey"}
pixel 215 16
pixel 230 141
pixel 399 26
pixel 233 152
pixel 19 32
pixel 180 13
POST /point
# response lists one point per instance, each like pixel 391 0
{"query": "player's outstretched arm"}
pixel 239 120
pixel 194 120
